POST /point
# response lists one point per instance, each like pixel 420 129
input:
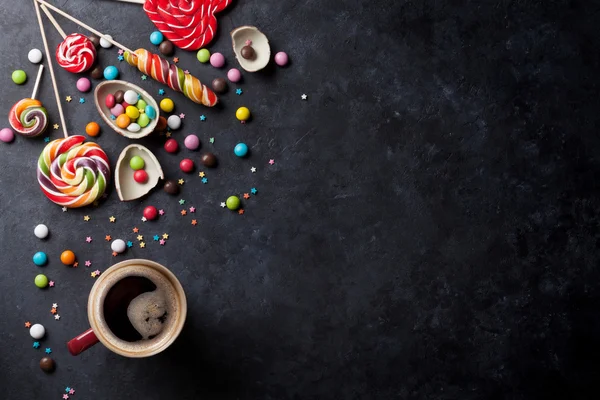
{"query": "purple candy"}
pixel 217 60
pixel 192 142
pixel 234 75
pixel 281 59
pixel 117 110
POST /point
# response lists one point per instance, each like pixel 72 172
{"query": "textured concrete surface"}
pixel 429 229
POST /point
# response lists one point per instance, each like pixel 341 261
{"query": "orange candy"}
pixel 67 257
pixel 92 129
pixel 123 121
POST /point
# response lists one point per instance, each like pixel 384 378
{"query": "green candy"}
pixel 141 105
pixel 203 55
pixel 41 281
pixel 233 203
pixel 19 77
pixel 137 163
pixel 143 120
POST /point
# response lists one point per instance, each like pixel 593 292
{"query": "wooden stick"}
pixel 49 57
pixel 37 81
pixel 133 1
pixel 56 25
pixel 89 28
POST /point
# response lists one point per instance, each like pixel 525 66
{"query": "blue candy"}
pixel 40 258
pixel 150 112
pixel 240 150
pixel 111 73
pixel 156 38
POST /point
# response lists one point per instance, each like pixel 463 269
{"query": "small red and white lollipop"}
pixel 76 53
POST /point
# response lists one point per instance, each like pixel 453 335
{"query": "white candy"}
pixel 105 43
pixel 41 231
pixel 130 97
pixel 34 56
pixel 118 245
pixel 37 331
pixel 133 127
pixel 174 122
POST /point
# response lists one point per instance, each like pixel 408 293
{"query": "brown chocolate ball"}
pixel 171 187
pixel 47 364
pixel 94 39
pixel 97 72
pixel 219 85
pixel 247 52
pixel 209 160
pixel 166 48
pixel 161 124
pixel 119 96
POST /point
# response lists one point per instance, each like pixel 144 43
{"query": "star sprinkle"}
pixel 53 310
pixel 112 218
pixel 135 229
pixel 203 117
pixel 55 126
pixel 304 97
pixel 181 181
pixel 54 305
pixel 129 244
pixel 161 92
pixel 223 204
pixel 88 263
pixel 187 71
pixel 121 51
pixel 114 253
pixel 176 60
pixel 192 209
pixel 156 237
pixel 107 238
pixel 161 212
pixel 253 191
pixel 88 239
pixel 120 58
pixel 162 242
pixel 241 211
pixel 204 180
pixel 165 236
pixel 246 196
pixel 36 345
pixel 253 169
pixel 142 245
pixel 72 391
pixel 97 272
pixel 64 209
pixel 76 264
pixel 144 219
pixel 144 77
pixel 47 139
pixel 51 283
pixel 183 212
pixel 93 274
pixel 201 174
pixel 248 42
pixel 140 237
pixel 182 116
pixel 181 201
pixel 86 218
pixel 65 396
pixel 194 222
pixel 81 100
pixel 271 161
pixel 68 98
pixel 168 134
pixel 112 117
pixel 48 350
pixel 27 324
pixel 212 140
pixel 57 317
pixel 238 91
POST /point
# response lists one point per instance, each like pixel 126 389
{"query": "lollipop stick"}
pixel 49 57
pixel 37 81
pixel 89 28
pixel 56 25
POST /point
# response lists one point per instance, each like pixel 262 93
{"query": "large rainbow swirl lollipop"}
pixel 72 173
pixel 28 117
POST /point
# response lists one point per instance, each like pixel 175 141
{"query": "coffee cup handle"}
pixel 82 342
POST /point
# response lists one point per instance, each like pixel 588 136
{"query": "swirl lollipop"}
pixel 76 53
pixel 72 173
pixel 28 117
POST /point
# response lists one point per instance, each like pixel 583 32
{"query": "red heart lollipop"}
pixel 189 24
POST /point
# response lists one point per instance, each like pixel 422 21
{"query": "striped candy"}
pixel 72 173
pixel 169 74
pixel 76 53
pixel 28 118
pixel 189 24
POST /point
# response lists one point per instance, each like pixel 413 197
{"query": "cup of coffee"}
pixel 136 308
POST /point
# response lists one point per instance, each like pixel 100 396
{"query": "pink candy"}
pixel 192 142
pixel 117 110
pixel 281 59
pixel 7 135
pixel 110 101
pixel 84 84
pixel 234 75
pixel 217 60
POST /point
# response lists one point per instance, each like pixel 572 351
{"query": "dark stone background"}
pixel 429 229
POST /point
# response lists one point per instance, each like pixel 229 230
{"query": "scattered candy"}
pixel 137 163
pixel 239 91
pixel 67 257
pixel 47 364
pixel 41 281
pixel 19 77
pixel 171 187
pixel 123 121
pixel 171 146
pixel 156 38
pixel 167 105
pixel 209 160
pixel 119 96
pixel 191 142
pixel 281 59
pixel 130 97
pixel 118 245
pixel 174 122
pixel 7 135
pixel 304 97
pixel 92 129
pixel 150 213
pixel 95 40
pixel 219 85
pixel 234 75
pixel 166 48
pixel 105 43
pixel 40 258
pixel 242 114
pixel 37 331
pixel 186 165
pixel 140 176
pixel 248 52
pixel 34 56
pixel 97 72
pixel 111 72
pixel 150 112
pixel 233 203
pixel 203 55
pixel 84 85
pixel 217 60
pixel 41 231
pixel 240 150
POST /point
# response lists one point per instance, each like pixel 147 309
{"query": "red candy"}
pixel 76 53
pixel 171 146
pixel 186 165
pixel 150 213
pixel 140 176
pixel 125 104
pixel 110 101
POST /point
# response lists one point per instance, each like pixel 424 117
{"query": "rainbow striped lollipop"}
pixel 28 117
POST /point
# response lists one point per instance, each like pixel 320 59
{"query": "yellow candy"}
pixel 123 121
pixel 242 114
pixel 167 105
pixel 132 112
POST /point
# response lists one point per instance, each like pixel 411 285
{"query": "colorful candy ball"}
pixel 186 165
pixel 150 213
pixel 118 246
pixel 7 135
pixel 203 55
pixel 242 114
pixel 111 72
pixel 67 257
pixel 174 122
pixel 167 105
pixel 84 85
pixel 41 281
pixel 171 146
pixel 110 101
pixel 19 77
pixel 134 127
pixel 136 163
pixel 156 38
pixel 140 176
pixel 240 149
pixel 234 75
pixel 150 112
pixel 143 120
pixel 217 60
pixel 117 110
pixel 132 112
pixel 281 59
pixel 105 43
pixel 123 121
pixel 41 231
pixel 130 97
pixel 34 56
pixel 233 203
pixel 40 258
pixel 92 129
pixel 37 331
pixel 192 142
